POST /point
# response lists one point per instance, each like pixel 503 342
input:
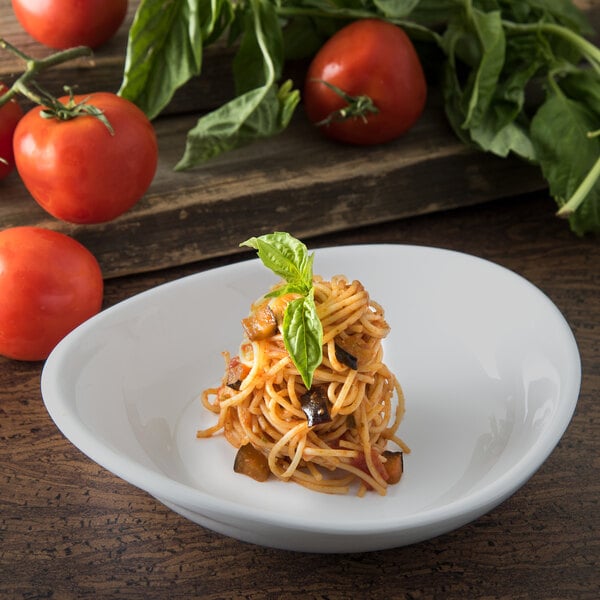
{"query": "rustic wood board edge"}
pixel 297 182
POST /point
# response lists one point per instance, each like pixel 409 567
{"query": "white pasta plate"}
pixel 489 367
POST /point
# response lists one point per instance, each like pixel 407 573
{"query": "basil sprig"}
pixel 517 78
pixel 302 330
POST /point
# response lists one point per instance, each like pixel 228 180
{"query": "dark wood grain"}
pixel 71 530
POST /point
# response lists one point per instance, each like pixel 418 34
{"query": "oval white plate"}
pixel 489 367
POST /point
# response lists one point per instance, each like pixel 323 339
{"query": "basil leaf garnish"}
pixel 302 330
pixel 303 336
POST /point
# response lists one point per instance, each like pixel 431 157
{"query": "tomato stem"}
pixel 357 106
pixel 33 66
pixel 582 191
pixel 54 109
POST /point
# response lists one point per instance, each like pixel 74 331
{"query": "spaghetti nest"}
pixel 341 438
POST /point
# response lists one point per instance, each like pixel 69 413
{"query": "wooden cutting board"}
pixel 297 181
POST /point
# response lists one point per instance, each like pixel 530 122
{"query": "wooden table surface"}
pixel 69 529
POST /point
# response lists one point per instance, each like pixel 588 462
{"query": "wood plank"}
pixel 297 181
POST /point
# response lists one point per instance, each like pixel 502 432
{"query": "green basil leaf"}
pixel 396 8
pixel 567 155
pixel 488 109
pixel 333 6
pixel 303 336
pixel 216 16
pixel 502 140
pixel 482 85
pixel 259 59
pixel 584 86
pixel 301 38
pixel 563 12
pixel 504 128
pixel 302 329
pixel 434 12
pixel 259 113
pixel 164 48
pixel 289 288
pixel 286 256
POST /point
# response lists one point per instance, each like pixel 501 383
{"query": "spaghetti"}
pixel 334 435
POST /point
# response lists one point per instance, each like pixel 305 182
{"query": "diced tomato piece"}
pixel 360 462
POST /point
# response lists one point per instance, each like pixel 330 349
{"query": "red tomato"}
pixel 77 170
pixel 10 113
pixel 366 58
pixel 49 284
pixel 63 24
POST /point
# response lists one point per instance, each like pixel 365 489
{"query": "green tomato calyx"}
pixel 357 106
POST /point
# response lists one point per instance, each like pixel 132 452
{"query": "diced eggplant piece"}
pixel 278 304
pixel 346 358
pixel 315 405
pixel 251 462
pixel 394 465
pixel 261 324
